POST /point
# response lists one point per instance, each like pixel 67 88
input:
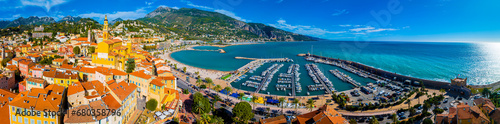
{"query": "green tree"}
pixel 394 118
pixel 217 88
pixel 199 82
pixel 153 71
pixel 205 118
pixel 240 96
pixel 151 104
pixel 242 113
pixel 310 104
pixel 130 65
pixel 296 104
pixel 91 50
pixel 184 69
pixel 217 120
pixel 76 50
pixel 282 103
pixel 427 121
pixel 353 121
pixel 228 89
pixel 209 82
pixel 201 103
pixel 254 100
pixel 374 120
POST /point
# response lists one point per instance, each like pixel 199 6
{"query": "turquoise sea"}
pixel 441 61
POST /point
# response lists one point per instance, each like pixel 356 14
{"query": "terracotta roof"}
pixel 318 116
pixel 95 105
pixel 82 39
pixel 36 80
pixel 6 98
pixel 122 89
pixel 53 73
pixel 75 88
pixel 157 82
pixel 58 60
pixel 117 72
pixel 40 99
pixel 167 77
pixel 111 101
pixel 99 88
pixel 486 102
pixel 141 74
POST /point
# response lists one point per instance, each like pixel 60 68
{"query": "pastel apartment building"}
pixel 37 100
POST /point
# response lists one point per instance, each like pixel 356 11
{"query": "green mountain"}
pixel 191 23
pixel 32 20
pixel 70 19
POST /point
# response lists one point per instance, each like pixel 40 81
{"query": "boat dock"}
pixel 311 68
pixel 345 78
pixel 268 76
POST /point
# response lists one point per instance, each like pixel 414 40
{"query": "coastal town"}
pixel 117 76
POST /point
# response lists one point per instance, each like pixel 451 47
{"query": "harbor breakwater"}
pixel 402 78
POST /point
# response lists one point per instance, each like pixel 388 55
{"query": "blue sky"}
pixel 385 20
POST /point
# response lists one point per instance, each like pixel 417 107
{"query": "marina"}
pixel 318 76
pixel 268 75
pixel 344 77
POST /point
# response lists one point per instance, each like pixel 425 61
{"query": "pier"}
pixel 379 74
pixel 344 77
pixel 312 68
pixel 268 59
pixel 268 76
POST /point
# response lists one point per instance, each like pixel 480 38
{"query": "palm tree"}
pixel 282 102
pixel 394 118
pixel 254 99
pixel 198 108
pixel 205 118
pixel 199 82
pixel 217 88
pixel 310 104
pixel 267 111
pixel 409 102
pixel 217 120
pixel 442 91
pixel 296 103
pixel 228 89
pixel 241 96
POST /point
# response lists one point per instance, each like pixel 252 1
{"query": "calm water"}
pixel 479 62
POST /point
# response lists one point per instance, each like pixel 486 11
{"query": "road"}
pixel 184 85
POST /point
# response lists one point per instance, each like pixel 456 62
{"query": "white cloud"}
pixel 303 29
pixel 189 3
pixel 139 13
pixel 175 7
pixel 231 14
pixel 362 29
pixel 148 3
pixel 340 12
pixel 47 4
pixel 12 18
pixel 370 29
pixel 348 25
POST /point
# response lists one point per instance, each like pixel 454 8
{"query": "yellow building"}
pixel 111 52
pixel 39 101
pixel 163 89
pixel 142 81
pixel 60 77
pixel 125 93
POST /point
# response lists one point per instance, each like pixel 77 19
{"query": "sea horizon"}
pixel 474 77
